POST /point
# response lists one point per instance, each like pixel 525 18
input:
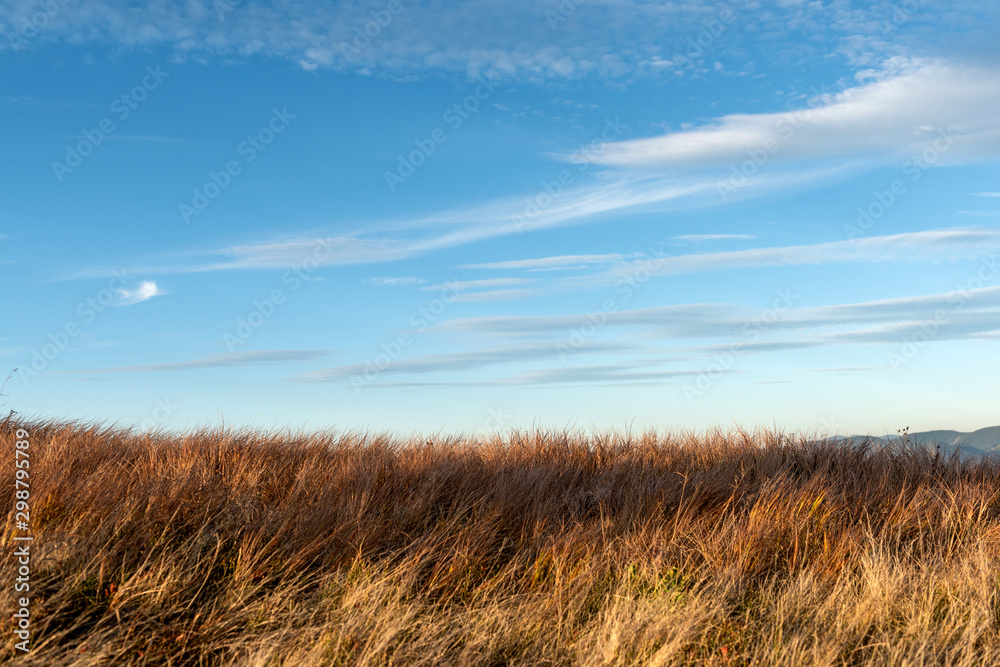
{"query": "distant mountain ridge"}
pixel 985 441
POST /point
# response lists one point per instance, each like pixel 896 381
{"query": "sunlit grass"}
pixel 236 547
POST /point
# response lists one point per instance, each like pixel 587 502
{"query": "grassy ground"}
pixel 532 549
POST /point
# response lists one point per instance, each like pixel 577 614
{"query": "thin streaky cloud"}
pixel 399 281
pixel 237 359
pixel 721 319
pixel 554 261
pixel 953 244
pixel 497 295
pixel 943 245
pixel 462 226
pixel 451 361
pixel 590 374
pixel 468 225
pixel 961 326
pixel 463 285
pixel 950 244
pixel 714 237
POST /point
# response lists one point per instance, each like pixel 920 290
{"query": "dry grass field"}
pixel 243 548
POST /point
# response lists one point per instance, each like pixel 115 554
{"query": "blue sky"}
pixel 430 216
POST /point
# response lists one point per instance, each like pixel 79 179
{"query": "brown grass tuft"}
pixel 226 547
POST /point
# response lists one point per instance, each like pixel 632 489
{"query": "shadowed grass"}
pixel 246 548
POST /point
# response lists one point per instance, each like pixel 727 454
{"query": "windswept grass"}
pixel 242 548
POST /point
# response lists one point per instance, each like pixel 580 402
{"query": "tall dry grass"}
pixel 243 548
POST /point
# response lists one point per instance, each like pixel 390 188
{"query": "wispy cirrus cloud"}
pixel 413 237
pixel 450 361
pixel 488 289
pixel 496 295
pixel 621 373
pixel 697 238
pixel 465 285
pixel 954 244
pixel 554 262
pixel 979 308
pixel 666 353
pixel 232 359
pixel 905 107
pixel 395 281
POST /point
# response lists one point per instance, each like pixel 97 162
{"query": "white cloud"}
pixel 464 285
pixel 908 107
pixel 496 295
pixel 621 40
pixel 987 194
pixel 145 291
pixel 385 281
pixel 713 237
pixel 557 261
